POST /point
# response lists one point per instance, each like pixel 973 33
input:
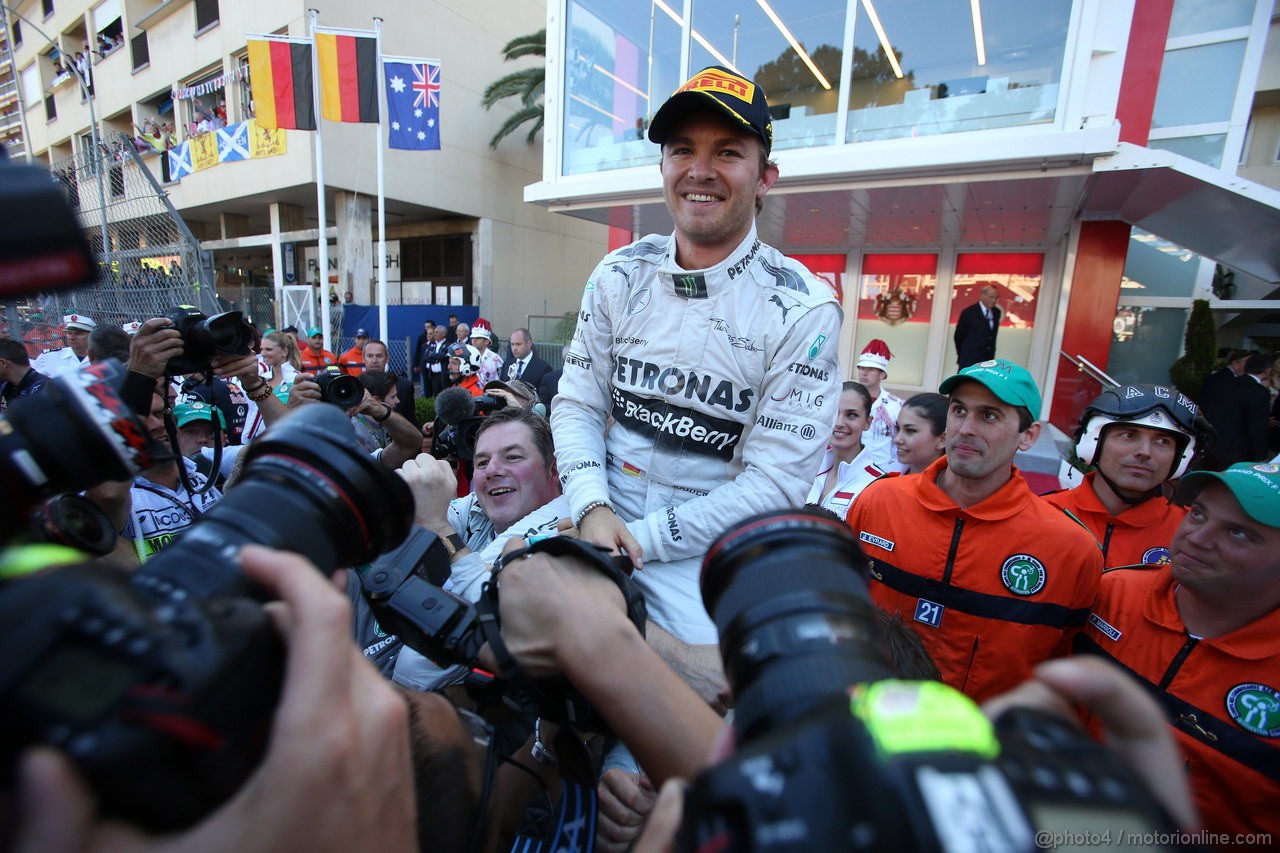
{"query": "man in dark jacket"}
pixel 523 363
pixel 977 328
pixel 1241 417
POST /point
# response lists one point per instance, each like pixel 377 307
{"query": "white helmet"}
pixel 468 358
pixel 1154 406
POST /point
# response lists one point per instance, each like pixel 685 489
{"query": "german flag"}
pixel 348 77
pixel 280 77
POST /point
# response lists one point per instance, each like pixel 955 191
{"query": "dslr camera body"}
pixel 833 755
pixel 206 338
pixel 160 685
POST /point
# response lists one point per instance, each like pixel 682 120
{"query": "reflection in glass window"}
pixel 1155 267
pixel 790 47
pixel 622 60
pixel 895 302
pixel 1206 16
pixel 1206 149
pixel 1016 277
pixel 1198 84
pixel 1144 342
pixel 946 67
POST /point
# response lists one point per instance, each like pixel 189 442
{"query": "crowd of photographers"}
pixel 561 623
pixel 558 617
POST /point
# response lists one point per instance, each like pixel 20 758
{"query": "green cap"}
pixel 185 413
pixel 1011 382
pixel 313 331
pixel 1256 485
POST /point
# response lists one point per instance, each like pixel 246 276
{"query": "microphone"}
pixel 455 405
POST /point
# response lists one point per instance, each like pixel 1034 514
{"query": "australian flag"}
pixel 413 103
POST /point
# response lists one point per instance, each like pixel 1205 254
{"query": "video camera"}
pixel 833 756
pixel 462 415
pixel 160 685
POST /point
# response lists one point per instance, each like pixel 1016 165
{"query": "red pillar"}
pixel 1095 290
pixel 1100 257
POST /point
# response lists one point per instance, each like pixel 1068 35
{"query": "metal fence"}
pixel 148 259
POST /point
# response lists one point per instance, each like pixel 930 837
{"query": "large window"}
pixel 1016 278
pixel 206 14
pixel 621 62
pixel 944 67
pixel 917 68
pixel 790 47
pixel 895 301
pixel 1144 342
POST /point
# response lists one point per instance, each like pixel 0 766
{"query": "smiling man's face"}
pixel 711 177
pixel 511 478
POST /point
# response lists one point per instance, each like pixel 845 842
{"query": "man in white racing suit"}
pixel 711 359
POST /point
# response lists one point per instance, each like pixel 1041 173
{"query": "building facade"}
pixel 175 71
pixel 1081 155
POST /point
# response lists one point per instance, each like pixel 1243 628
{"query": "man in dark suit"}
pixel 977 328
pixel 435 355
pixel 522 362
pixel 1217 385
pixel 1243 417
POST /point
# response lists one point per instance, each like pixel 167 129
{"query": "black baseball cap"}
pixel 733 94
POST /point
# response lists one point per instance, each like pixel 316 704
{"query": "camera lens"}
pixel 229 333
pixel 305 488
pixel 340 389
pixel 788 593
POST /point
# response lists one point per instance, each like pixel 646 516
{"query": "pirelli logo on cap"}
pixel 712 80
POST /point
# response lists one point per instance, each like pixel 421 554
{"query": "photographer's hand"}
pixel 1132 724
pixel 337 773
pixel 156 342
pixel 625 801
pixel 559 615
pixel 304 391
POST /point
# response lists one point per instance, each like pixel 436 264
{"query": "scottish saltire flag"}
pixel 413 103
pixel 233 142
pixel 180 162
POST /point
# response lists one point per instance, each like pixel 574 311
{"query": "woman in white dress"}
pixel 846 467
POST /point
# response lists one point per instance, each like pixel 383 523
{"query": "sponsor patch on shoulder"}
pixel 872 539
pixel 1105 627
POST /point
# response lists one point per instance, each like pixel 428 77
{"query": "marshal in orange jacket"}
pixel 992 590
pixel 1220 695
pixel 1138 536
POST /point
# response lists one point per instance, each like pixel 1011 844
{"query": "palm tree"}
pixel 529 84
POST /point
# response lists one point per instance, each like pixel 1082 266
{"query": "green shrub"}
pixel 424 410
pixel 1200 351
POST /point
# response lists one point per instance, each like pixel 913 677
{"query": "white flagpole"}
pixel 382 201
pixel 323 245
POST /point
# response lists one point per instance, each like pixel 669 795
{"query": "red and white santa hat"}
pixel 875 354
pixel 78 321
pixel 482 329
